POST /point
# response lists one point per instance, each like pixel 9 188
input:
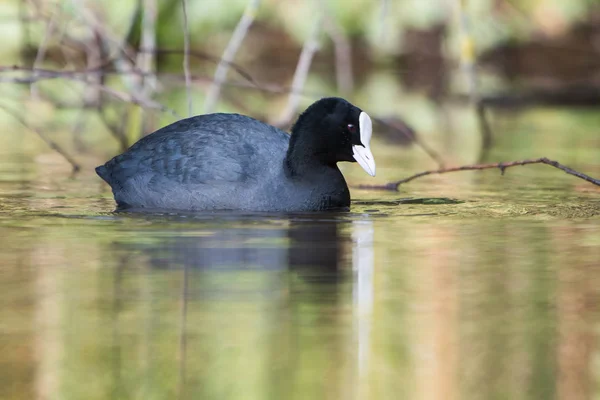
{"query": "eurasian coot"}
pixel 234 162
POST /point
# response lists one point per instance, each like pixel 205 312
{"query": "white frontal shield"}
pixel 361 154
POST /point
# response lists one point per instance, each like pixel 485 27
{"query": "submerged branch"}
pixel 502 166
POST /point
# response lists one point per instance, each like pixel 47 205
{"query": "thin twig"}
pixel 125 61
pixel 467 51
pixel 486 131
pixel 94 53
pixel 136 99
pixel 82 75
pixel 383 18
pixel 78 127
pixel 126 55
pixel 207 57
pixel 146 60
pixel 133 97
pixel 186 57
pixel 308 51
pixel 51 143
pixel 41 52
pixel 502 166
pixel 343 57
pixel 105 66
pixel 228 55
pixel 117 130
pixel 415 138
pixel 468 64
pixel 25 22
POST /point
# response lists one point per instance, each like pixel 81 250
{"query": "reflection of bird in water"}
pixel 314 250
pixel 317 251
pixel 252 285
pixel 224 249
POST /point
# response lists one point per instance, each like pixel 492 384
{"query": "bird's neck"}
pixel 305 165
pixel 305 155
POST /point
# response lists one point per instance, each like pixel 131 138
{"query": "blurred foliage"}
pixel 383 35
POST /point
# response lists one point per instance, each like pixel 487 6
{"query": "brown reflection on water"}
pixel 577 311
pixel 494 298
pixel 118 306
pixel 47 320
pixel 434 318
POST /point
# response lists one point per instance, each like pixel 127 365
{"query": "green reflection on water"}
pixel 490 296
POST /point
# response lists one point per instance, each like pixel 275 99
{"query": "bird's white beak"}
pixel 361 154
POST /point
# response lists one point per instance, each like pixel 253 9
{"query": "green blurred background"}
pixel 492 295
pixel 395 59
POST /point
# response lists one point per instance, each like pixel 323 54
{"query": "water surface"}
pixel 491 295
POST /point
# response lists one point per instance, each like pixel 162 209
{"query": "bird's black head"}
pixel 332 130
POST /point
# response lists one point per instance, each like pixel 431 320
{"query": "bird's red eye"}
pixel 351 128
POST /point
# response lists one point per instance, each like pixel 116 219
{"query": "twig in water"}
pixel 308 51
pixel 51 143
pixel 186 57
pixel 502 166
pixel 232 47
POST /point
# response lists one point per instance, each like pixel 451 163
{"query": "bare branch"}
pixel 117 130
pixel 467 51
pixel 308 51
pixel 125 60
pixel 428 150
pixel 469 67
pixel 204 56
pixel 24 21
pixel 133 97
pixel 186 57
pixel 51 143
pixel 41 52
pixel 146 60
pixel 383 18
pixel 343 57
pixel 83 75
pixel 502 166
pixel 228 55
